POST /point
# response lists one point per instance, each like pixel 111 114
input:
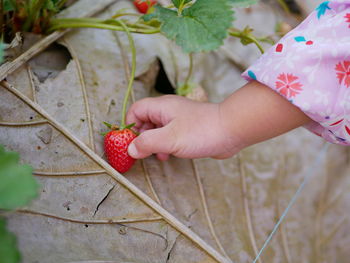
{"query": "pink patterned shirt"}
pixel 310 67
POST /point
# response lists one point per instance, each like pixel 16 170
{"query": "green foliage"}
pixel 28 15
pixel 17 186
pixel 178 3
pixel 201 27
pixel 242 3
pixel 2 48
pixel 51 5
pixel 8 5
pixel 8 249
pixel 246 36
pixel 195 26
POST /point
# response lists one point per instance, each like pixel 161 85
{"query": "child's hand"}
pixel 187 129
pixel 181 127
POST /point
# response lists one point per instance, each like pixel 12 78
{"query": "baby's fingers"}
pixel 163 156
pixel 158 141
pixel 146 126
pixel 147 110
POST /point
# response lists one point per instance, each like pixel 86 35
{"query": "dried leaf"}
pixel 83 214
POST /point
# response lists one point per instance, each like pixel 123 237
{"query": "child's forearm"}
pixel 256 113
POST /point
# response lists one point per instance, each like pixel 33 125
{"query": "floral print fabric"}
pixel 310 67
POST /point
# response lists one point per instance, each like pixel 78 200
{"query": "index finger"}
pixel 148 110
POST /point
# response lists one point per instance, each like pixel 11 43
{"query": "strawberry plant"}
pixel 27 15
pixel 196 26
pixel 200 27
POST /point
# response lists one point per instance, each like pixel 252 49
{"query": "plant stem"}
pixel 61 24
pixel 95 23
pixel 125 14
pixel 36 8
pixel 33 13
pixel 256 42
pixel 239 34
pixel 190 70
pixel 138 26
pixel 284 6
pixel 181 6
pixel 186 88
pixel 14 4
pixel 267 39
pixel 132 74
pixel 78 20
pixel 61 3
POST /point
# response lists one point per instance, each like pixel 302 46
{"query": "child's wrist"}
pixel 235 140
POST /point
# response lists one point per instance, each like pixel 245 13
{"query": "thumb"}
pixel 152 141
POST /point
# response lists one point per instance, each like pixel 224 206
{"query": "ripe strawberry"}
pixel 144 5
pixel 116 144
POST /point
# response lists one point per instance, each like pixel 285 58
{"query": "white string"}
pixel 309 173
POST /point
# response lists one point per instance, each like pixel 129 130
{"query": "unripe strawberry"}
pixel 116 143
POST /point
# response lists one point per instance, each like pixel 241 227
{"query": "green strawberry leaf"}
pixel 17 186
pixel 177 3
pixel 242 3
pixel 2 48
pixel 8 5
pixel 201 27
pixel 129 126
pixel 8 247
pixel 51 5
pixel 108 125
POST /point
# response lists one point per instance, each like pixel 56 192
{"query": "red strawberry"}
pixel 144 5
pixel 116 144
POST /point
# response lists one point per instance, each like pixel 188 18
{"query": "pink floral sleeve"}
pixel 310 67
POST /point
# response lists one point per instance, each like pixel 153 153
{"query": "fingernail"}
pixel 132 151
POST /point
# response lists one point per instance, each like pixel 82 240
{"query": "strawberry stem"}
pixel 34 9
pixel 132 75
pixel 181 6
pixel 246 36
pixel 187 87
pixel 61 3
pixel 190 70
pixel 60 23
pixel 125 14
pixel 109 24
